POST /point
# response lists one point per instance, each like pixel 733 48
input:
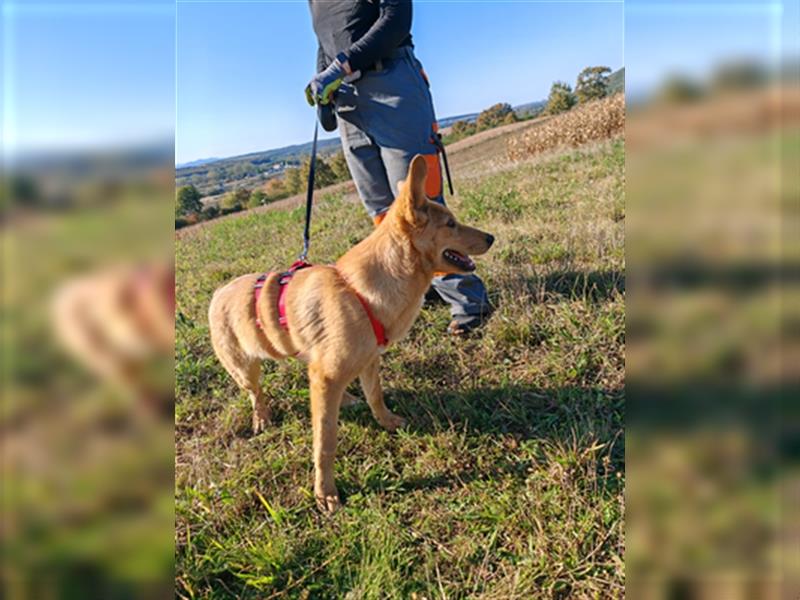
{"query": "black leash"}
pixel 310 193
pixel 440 145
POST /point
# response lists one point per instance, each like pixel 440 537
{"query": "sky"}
pixel 86 75
pixel 226 77
pixel 693 38
pixel 242 67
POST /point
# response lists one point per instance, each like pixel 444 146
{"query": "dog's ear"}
pixel 415 182
pixel 411 192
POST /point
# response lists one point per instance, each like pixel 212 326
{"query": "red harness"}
pixel 285 277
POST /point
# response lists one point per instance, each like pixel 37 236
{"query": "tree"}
pixel 187 201
pixel 210 212
pixel 323 174
pixel 560 99
pixel 592 83
pixel 294 180
pixel 338 165
pixel 257 198
pixel 459 130
pixel 679 89
pixel 493 116
pixel 739 75
pixel 510 118
pixel 276 188
pixel 235 200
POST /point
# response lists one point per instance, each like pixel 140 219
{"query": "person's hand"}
pixel 322 86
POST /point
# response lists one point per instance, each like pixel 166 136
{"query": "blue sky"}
pixel 86 75
pixel 99 73
pixel 242 67
pixel 692 38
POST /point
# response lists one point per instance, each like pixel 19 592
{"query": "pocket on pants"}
pixel 352 136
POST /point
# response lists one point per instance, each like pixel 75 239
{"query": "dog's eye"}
pixel 451 223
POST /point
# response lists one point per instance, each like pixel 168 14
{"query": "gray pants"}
pixel 385 118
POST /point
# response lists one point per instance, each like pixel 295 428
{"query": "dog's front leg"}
pixel 371 384
pixel 326 395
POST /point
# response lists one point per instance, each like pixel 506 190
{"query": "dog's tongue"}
pixel 465 260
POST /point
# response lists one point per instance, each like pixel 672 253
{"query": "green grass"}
pixel 508 482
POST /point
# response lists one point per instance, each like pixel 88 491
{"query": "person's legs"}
pixel 386 120
pixel 367 169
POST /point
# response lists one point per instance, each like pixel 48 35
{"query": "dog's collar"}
pixel 284 278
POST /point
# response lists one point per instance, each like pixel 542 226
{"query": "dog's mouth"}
pixel 455 258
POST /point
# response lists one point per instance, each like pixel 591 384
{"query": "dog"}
pixel 116 322
pixel 340 318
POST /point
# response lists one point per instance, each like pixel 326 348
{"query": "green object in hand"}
pixel 324 84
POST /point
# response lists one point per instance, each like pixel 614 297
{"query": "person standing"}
pixel 368 74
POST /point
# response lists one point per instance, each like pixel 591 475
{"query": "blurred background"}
pixel 87 319
pixel 713 172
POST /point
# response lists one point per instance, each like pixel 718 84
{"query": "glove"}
pixel 322 86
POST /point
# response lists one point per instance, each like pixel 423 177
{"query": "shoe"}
pixel 466 324
pixel 433 298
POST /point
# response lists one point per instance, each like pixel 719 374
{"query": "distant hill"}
pixel 530 107
pixel 197 163
pixel 447 121
pixel 521 109
pixel 219 175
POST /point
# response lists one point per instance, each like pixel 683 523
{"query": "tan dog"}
pixel 328 325
pixel 119 320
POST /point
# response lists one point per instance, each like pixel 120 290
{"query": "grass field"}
pixel 508 482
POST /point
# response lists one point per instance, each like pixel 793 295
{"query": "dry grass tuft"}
pixel 598 120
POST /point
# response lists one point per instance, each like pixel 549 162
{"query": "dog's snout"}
pixel 489 239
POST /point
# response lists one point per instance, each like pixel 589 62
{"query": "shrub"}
pixel 257 198
pixel 235 200
pixel 338 165
pixel 276 188
pixel 561 98
pixel 187 201
pixel 293 179
pixel 493 116
pixel 210 212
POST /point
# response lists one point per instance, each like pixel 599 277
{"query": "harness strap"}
pixel 377 327
pixel 283 279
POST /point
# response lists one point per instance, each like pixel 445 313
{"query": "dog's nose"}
pixel 489 239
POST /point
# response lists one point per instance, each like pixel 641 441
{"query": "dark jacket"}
pixel 366 31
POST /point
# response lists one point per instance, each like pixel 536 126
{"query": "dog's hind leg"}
pixel 262 414
pixel 371 384
pixel 246 372
pixel 326 397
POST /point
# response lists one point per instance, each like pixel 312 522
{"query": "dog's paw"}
pixel 261 419
pixel 329 503
pixel 392 422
